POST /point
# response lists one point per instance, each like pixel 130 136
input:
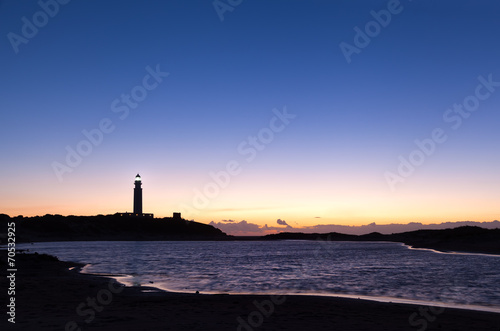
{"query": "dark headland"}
pixel 471 239
pixel 108 228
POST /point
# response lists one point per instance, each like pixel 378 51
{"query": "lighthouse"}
pixel 138 196
pixel 137 202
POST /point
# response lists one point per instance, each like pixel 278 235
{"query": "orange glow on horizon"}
pixel 331 201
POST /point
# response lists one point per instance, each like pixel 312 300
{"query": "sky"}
pixel 279 113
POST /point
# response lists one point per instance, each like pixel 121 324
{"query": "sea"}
pixel 381 271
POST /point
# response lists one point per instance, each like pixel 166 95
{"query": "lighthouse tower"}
pixel 138 196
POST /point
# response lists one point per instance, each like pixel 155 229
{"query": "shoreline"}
pixel 383 299
pixel 442 251
pixel 53 295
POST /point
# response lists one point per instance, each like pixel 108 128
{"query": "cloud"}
pixel 281 222
pixel 245 228
pixel 242 228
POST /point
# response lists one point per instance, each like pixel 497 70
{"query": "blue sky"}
pixel 353 120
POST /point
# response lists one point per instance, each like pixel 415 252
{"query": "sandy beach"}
pixel 49 296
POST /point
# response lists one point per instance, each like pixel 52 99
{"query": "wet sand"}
pixel 51 297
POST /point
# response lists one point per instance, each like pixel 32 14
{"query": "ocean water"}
pixel 369 269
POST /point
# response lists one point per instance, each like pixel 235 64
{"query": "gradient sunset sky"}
pixel 181 87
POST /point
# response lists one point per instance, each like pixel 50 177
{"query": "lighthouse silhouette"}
pixel 138 195
pixel 137 202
